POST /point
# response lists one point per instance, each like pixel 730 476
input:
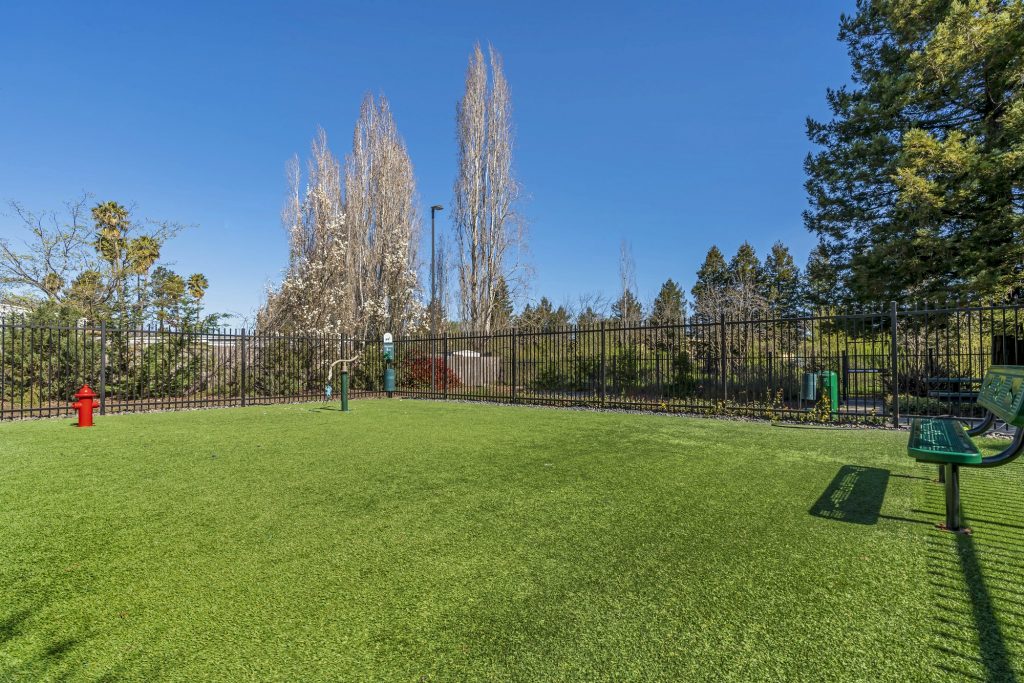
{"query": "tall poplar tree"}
pixel 489 232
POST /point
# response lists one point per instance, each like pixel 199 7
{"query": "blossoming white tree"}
pixel 383 224
pixel 352 237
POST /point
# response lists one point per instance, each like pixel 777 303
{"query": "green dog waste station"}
pixel 389 364
pixel 829 382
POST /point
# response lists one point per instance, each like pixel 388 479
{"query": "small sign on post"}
pixel 389 347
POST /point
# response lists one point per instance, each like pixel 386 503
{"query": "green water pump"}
pixel 329 390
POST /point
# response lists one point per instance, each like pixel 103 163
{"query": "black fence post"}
pixel 846 375
pixel 433 363
pixel 242 391
pixel 103 368
pixel 515 373
pixel 894 362
pixel 725 360
pixel 603 365
pixel 444 381
pixel 3 359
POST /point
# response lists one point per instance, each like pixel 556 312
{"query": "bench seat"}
pixel 942 440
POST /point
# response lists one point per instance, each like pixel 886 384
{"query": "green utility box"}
pixel 389 380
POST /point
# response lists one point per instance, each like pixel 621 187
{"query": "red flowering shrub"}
pixel 416 372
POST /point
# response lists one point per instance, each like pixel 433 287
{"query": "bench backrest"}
pixel 1002 392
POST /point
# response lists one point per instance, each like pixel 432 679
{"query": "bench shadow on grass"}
pixel 855 495
pixel 977 581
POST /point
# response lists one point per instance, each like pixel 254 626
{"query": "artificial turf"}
pixel 425 541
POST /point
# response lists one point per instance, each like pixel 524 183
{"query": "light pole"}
pixel 433 271
pixel 433 301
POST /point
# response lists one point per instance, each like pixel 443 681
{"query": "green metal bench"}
pixel 946 442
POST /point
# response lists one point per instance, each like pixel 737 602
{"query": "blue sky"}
pixel 671 125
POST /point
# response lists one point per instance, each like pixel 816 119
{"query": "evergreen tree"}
pixel 781 282
pixel 669 305
pixel 544 316
pixel 525 317
pixel 712 286
pixel 668 310
pixel 820 280
pixel 588 316
pixel 918 189
pixel 628 310
pixel 745 266
pixel 168 297
pixel 501 316
pixel 745 283
pixel 560 317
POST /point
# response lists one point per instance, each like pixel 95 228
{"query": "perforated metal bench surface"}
pixel 942 440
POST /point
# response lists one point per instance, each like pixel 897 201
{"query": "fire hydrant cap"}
pixel 85 392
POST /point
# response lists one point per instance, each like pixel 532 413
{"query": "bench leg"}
pixel 952 481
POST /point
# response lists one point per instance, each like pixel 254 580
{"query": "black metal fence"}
pixel 41 368
pixel 889 364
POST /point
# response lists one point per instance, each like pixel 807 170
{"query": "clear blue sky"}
pixel 672 125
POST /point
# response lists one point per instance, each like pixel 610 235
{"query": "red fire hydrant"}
pixel 85 405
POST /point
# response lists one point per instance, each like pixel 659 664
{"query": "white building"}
pixel 11 309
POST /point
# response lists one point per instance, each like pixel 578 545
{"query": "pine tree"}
pixel 628 309
pixel 667 311
pixel 502 316
pixel 712 286
pixel 745 284
pixel 669 306
pixel 588 316
pixel 918 189
pixel 781 282
pixel 820 289
pixel 544 315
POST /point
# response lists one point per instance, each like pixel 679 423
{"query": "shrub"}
pixel 683 380
pixel 551 377
pixel 627 372
pixel 416 372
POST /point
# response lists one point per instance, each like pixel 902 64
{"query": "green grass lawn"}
pixel 423 541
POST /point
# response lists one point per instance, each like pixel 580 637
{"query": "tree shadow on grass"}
pixel 977 603
pixel 45 660
pixel 11 625
pixel 855 495
pixel 54 659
